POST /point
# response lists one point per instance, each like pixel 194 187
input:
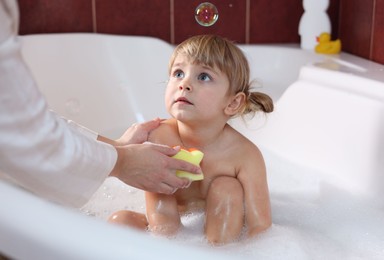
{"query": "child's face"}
pixel 196 92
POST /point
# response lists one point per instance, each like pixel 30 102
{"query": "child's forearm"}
pixel 161 224
pixel 253 231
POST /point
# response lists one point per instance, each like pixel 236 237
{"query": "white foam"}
pixel 312 219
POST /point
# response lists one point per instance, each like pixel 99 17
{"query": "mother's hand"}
pixel 149 167
pixel 136 134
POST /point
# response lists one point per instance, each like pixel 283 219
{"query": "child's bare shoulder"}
pixel 242 141
pixel 245 148
pixel 164 132
pixel 253 163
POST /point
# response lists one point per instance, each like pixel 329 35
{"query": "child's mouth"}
pixel 183 100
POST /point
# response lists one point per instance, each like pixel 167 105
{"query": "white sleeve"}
pixel 39 150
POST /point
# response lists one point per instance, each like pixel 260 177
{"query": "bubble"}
pixel 90 213
pixel 206 14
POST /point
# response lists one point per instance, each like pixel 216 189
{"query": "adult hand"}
pixel 136 134
pixel 149 167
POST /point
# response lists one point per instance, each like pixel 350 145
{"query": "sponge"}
pixel 193 156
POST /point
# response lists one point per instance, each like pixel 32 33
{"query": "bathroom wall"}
pixel 361 28
pixel 359 23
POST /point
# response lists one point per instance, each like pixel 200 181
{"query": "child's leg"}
pixel 224 210
pixel 129 218
pixel 162 213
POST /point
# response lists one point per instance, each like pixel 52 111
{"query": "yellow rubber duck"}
pixel 326 46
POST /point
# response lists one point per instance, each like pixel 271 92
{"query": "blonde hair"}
pixel 215 51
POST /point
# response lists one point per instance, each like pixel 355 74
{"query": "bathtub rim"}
pixel 88 238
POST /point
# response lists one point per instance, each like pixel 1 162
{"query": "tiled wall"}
pixel 362 28
pixel 359 23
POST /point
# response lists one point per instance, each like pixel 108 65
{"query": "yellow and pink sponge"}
pixel 193 156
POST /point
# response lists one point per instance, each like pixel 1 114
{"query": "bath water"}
pixel 312 219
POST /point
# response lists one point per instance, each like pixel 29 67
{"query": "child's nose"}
pixel 187 88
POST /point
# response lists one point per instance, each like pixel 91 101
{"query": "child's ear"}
pixel 236 103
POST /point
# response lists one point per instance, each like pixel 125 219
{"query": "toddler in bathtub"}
pixel 208 85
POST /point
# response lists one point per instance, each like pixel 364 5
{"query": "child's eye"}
pixel 204 77
pixel 178 74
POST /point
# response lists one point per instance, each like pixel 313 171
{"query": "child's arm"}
pixel 252 176
pixel 162 213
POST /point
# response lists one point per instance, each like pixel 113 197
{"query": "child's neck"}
pixel 200 137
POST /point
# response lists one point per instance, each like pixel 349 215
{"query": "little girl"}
pixel 209 84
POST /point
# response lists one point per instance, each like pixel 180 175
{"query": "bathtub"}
pixel 323 146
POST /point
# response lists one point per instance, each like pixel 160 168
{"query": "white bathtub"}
pixel 323 146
